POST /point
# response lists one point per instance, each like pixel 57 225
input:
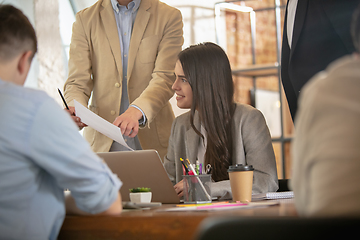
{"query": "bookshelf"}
pixel 255 71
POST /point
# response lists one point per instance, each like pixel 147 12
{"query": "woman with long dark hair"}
pixel 216 130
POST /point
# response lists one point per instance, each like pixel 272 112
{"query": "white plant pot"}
pixel 140 197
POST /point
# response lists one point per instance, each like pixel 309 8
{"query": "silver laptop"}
pixel 142 168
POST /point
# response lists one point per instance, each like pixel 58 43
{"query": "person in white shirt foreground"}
pixel 41 151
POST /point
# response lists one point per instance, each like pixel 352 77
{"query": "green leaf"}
pixel 140 189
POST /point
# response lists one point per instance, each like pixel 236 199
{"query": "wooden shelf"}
pixel 258 70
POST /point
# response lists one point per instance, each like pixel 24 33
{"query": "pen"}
pixel 208 168
pixel 62 97
pixel 186 169
pixel 183 169
pixel 191 167
pixel 197 167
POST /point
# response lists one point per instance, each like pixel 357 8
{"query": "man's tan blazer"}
pixel 95 68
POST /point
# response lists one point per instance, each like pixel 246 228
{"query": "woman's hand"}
pixel 179 188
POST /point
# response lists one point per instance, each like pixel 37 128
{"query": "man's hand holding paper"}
pixel 99 124
pixel 128 122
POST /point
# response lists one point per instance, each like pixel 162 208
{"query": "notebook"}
pixel 273 195
pixel 141 168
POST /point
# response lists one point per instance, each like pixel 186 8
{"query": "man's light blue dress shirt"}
pixel 41 154
pixel 125 18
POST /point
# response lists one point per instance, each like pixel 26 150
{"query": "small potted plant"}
pixel 140 195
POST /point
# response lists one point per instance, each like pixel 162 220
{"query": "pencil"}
pixel 184 165
pixel 62 97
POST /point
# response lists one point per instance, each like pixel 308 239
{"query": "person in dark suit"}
pixel 315 33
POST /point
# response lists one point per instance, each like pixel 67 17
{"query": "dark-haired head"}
pixel 16 34
pixel 207 69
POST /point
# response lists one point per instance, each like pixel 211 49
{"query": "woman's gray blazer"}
pixel 252 146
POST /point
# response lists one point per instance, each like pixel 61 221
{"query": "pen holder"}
pixel 197 188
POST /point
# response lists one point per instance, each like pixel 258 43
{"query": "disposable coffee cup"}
pixel 241 181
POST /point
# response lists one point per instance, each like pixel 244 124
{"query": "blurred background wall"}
pixel 231 30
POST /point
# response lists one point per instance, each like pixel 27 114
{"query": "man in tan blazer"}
pixel 96 67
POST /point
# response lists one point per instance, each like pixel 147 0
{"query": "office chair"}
pixel 280 228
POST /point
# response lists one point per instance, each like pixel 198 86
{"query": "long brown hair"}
pixel 207 68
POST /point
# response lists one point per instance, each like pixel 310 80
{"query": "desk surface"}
pixel 154 224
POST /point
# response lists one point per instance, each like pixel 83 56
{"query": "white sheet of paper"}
pixel 99 124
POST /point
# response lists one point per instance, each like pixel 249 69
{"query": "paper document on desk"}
pixel 219 207
pixel 99 124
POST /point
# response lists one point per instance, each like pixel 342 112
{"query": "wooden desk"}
pixel 153 224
